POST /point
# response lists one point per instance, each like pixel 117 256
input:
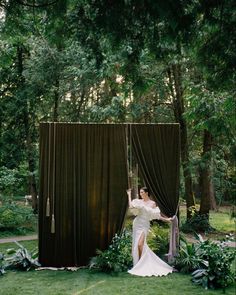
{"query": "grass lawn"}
pixel 30 245
pixel 221 220
pixel 87 282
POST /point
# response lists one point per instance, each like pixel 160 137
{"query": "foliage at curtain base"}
pixel 117 258
pixel 21 259
pixel 158 240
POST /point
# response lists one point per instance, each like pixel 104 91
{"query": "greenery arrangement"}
pixel 188 259
pixel 218 272
pixel 209 262
pixel 20 259
pixel 158 239
pixel 117 257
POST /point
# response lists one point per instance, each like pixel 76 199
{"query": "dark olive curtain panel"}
pixel 83 182
pixel 157 150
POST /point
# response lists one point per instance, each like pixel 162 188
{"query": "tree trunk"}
pixel 175 80
pixel 32 180
pixel 212 195
pixel 207 191
pixel 29 146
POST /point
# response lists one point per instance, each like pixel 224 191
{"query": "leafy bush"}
pixel 197 223
pixel 21 259
pixel 189 258
pixel 158 240
pixel 13 181
pixel 218 272
pixel 13 216
pixel 117 257
pixel 210 262
pixel 7 180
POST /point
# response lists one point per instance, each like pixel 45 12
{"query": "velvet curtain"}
pixel 157 150
pixel 83 181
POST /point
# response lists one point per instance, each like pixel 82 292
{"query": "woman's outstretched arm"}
pixel 166 219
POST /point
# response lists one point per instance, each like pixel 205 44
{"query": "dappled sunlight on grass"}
pixel 221 221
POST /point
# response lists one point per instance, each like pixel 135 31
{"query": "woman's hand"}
pixel 171 218
pixel 128 192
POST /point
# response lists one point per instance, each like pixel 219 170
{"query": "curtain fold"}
pixel 83 173
pixel 157 150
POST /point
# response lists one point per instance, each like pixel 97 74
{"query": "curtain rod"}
pixel 95 123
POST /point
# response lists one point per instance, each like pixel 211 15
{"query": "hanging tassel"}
pixel 53 225
pixel 48 207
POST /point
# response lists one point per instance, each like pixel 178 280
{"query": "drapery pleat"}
pixel 157 150
pixel 83 175
pixel 83 182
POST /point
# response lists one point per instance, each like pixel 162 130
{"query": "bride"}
pixel 145 262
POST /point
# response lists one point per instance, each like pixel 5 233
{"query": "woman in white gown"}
pixel 145 261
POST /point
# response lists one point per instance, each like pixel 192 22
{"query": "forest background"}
pixel 121 61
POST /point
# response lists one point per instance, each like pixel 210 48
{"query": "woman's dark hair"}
pixel 144 188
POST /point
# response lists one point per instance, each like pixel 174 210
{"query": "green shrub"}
pixel 210 262
pixel 218 272
pixel 197 223
pixel 117 257
pixel 7 180
pixel 189 258
pixel 15 217
pixel 158 239
pixel 14 181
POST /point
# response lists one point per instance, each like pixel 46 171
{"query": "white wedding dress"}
pixel 149 263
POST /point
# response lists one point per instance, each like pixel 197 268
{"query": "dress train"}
pixel 149 263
